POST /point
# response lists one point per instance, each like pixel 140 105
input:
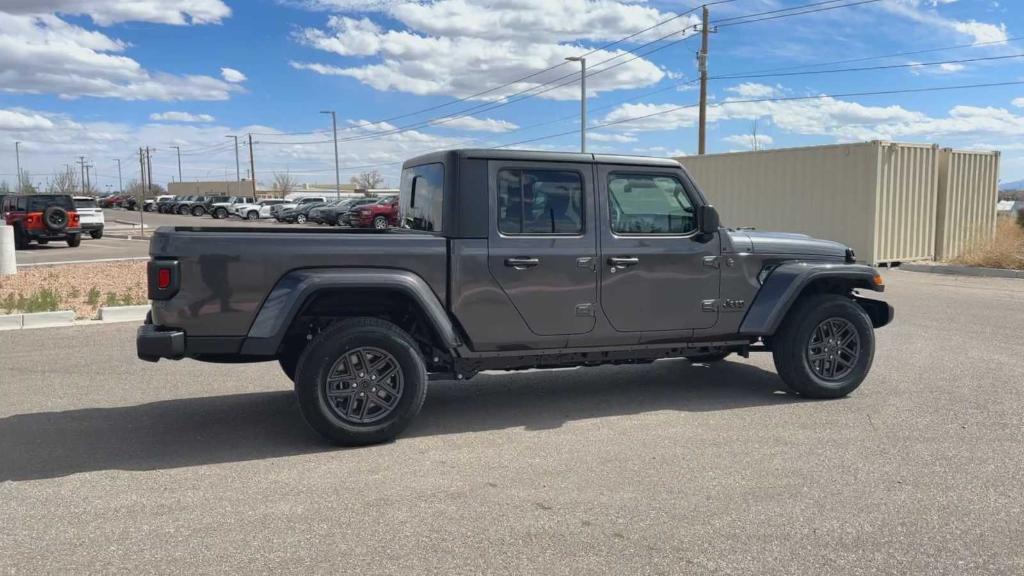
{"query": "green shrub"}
pixel 9 303
pixel 111 299
pixel 42 300
pixel 93 297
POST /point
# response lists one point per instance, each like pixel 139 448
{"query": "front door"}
pixel 657 272
pixel 543 244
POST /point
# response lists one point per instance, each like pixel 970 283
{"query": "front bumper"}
pixel 152 344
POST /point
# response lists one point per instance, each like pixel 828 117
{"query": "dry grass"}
pixel 79 287
pixel 1006 250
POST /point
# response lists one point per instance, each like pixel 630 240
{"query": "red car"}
pixel 42 217
pixel 379 215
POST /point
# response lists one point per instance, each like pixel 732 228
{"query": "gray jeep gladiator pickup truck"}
pixel 509 260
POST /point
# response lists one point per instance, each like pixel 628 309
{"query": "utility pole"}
pixel 252 167
pixel 337 167
pixel 178 148
pixel 17 160
pixel 148 185
pixel 702 63
pixel 81 161
pixel 120 185
pixel 238 167
pixel 583 100
pixel 88 177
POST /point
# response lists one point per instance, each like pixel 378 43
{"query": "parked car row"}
pixel 372 212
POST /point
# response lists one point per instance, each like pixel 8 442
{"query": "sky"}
pixel 101 78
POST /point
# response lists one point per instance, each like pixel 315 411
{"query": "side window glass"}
pixel 540 202
pixel 649 204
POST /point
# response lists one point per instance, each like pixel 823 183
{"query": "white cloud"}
pixel 18 120
pixel 180 117
pixel 753 90
pixel 746 141
pixel 107 12
pixel 460 47
pixel 615 138
pixel 977 31
pixel 1018 102
pixel 44 54
pixel 232 75
pixel 479 124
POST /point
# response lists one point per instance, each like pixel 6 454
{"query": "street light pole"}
pixel 120 185
pixel 17 160
pixel 337 167
pixel 178 148
pixel 238 167
pixel 583 100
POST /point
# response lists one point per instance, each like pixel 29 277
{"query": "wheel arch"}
pixel 398 296
pixel 791 282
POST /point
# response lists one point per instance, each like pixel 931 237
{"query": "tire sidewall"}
pixel 320 356
pixel 807 382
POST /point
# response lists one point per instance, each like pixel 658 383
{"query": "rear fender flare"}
pixel 296 288
pixel 787 282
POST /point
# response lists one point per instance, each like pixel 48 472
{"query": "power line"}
pixel 774 14
pixel 778 99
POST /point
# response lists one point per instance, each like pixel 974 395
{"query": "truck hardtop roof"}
pixel 539 155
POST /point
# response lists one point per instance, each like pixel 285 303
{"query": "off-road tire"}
pixel 198 211
pixel 182 210
pixel 252 216
pixel 220 213
pixel 74 240
pixel 21 241
pixel 96 234
pixel 320 356
pixel 790 346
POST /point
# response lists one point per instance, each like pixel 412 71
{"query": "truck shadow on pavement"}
pixel 241 427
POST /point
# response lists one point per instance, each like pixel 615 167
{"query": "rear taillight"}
pixel 34 220
pixel 163 279
pixel 73 219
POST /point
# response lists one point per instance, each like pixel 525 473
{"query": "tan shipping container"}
pixel 879 198
pixel 967 200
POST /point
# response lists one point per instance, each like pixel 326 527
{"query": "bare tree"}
pixel 65 182
pixel 284 183
pixel 368 180
pixel 25 185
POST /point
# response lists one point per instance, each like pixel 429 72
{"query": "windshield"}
pixel 85 203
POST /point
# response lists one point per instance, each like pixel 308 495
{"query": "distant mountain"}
pixel 1005 186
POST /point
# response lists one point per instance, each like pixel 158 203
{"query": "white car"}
pixel 255 211
pixel 224 206
pixel 150 204
pixel 90 215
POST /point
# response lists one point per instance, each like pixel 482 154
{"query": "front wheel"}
pixel 380 223
pixel 220 213
pixel 198 211
pixel 360 382
pixel 301 219
pixel 252 216
pixel 825 347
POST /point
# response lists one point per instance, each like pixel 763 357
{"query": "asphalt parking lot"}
pixel 110 464
pixel 105 248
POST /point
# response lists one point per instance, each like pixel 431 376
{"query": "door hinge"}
pixel 709 306
pixel 712 261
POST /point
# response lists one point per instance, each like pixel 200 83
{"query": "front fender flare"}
pixel 296 288
pixel 785 283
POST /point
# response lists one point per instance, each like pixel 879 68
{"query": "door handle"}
pixel 623 262
pixel 522 263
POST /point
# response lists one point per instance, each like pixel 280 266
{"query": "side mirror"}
pixel 707 219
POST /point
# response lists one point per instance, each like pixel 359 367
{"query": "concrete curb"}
pixel 124 313
pixel 48 319
pixel 963 270
pixel 64 318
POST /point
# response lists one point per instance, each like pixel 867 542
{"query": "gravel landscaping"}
pixel 79 287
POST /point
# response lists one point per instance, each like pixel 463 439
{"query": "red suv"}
pixel 379 215
pixel 42 217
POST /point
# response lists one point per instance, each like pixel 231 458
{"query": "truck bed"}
pixel 228 272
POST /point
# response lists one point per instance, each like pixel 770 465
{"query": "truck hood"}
pixel 785 243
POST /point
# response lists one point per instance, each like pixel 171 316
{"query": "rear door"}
pixel 542 243
pixel 657 272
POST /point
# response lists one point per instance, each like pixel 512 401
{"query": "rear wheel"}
pixel 341 220
pixel 301 219
pixel 252 215
pixel 96 234
pixel 220 213
pixel 182 210
pixel 20 239
pixel 74 240
pixel 361 381
pixel 380 223
pixel 825 347
pixel 198 211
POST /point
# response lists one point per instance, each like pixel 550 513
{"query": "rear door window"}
pixel 422 197
pixel 540 202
